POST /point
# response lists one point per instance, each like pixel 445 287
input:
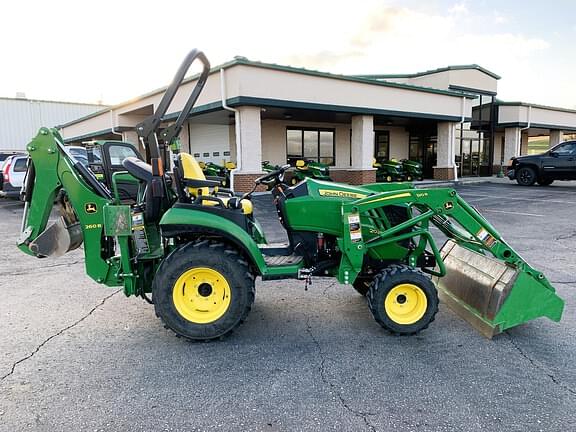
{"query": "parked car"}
pixel 13 173
pixel 79 153
pixel 558 163
pixel 5 154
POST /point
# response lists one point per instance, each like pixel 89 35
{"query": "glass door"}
pixel 466 158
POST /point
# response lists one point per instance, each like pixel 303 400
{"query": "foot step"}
pixel 282 260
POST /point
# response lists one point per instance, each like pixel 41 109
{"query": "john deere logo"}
pixel 90 208
pixel 449 205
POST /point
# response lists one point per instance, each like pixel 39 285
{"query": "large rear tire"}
pixel 203 290
pixel 526 176
pixel 403 300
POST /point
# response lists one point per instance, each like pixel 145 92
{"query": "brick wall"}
pixel 354 177
pixel 245 182
pixel 443 173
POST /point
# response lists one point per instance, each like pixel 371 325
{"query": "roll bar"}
pixel 148 128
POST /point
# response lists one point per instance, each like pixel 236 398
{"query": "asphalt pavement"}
pixel 76 356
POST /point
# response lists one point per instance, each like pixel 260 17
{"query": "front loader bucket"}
pixel 493 295
pixel 57 239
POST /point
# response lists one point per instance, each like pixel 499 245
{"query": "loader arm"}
pixel 479 274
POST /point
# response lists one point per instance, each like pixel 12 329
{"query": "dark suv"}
pixel 558 163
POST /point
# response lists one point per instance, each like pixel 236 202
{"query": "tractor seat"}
pixel 301 165
pixel 137 168
pixel 190 170
pixel 143 172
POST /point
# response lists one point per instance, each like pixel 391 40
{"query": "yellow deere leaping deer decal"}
pixel 90 208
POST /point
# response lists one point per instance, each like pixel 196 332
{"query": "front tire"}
pixel 403 300
pixel 526 176
pixel 203 290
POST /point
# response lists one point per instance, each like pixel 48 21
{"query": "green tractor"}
pixel 268 167
pixel 194 249
pixel 219 173
pixel 388 170
pixel 413 170
pixel 309 169
pixel 104 158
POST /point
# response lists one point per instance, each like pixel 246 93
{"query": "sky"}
pixel 112 51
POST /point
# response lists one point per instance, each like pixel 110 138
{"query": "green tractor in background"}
pixel 194 250
pixel 309 169
pixel 104 158
pixel 388 170
pixel 219 173
pixel 413 170
pixel 268 167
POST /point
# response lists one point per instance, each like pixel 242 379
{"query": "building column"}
pixel 132 138
pixel 524 143
pixel 249 155
pixel 445 148
pixel 556 137
pixel 512 143
pixel 362 149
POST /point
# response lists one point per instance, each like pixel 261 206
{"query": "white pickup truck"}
pixel 13 172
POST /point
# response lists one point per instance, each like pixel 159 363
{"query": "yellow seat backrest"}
pixel 191 170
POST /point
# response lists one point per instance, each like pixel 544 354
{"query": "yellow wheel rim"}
pixel 389 178
pixel 201 295
pixel 405 304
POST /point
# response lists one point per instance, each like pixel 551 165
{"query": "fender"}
pixel 178 221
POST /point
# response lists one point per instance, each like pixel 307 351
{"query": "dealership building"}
pixel 449 119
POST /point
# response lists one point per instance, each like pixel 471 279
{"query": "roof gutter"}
pixel 112 125
pixel 462 121
pixel 236 128
pixel 529 118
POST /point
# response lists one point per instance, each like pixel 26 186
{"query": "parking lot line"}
pixel 507 198
pixel 512 213
pixel 477 199
pixel 519 189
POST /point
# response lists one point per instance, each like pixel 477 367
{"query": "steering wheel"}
pixel 277 174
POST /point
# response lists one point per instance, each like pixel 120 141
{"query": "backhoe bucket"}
pixel 493 295
pixel 57 239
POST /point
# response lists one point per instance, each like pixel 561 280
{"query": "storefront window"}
pixel 310 144
pixel 382 145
